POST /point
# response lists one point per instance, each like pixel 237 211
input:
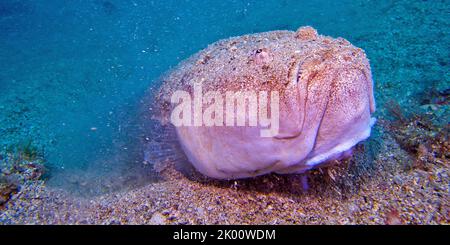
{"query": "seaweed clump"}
pixel 420 136
pixel 17 167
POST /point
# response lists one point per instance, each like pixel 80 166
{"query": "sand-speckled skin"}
pixel 326 102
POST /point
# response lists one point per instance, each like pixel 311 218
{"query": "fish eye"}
pixel 259 51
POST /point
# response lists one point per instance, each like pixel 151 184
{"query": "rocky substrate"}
pixel 383 183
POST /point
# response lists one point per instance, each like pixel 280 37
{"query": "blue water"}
pixel 69 67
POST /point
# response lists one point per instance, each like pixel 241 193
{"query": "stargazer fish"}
pixel 308 100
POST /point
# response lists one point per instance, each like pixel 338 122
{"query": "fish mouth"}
pixel 294 83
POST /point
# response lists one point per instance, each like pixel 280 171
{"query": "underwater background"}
pixel 72 73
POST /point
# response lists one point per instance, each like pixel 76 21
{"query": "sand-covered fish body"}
pixel 325 102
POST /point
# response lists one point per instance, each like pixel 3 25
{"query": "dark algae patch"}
pixel 17 168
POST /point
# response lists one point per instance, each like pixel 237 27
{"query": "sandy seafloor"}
pixel 72 73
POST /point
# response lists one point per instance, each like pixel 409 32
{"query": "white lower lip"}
pixel 342 147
